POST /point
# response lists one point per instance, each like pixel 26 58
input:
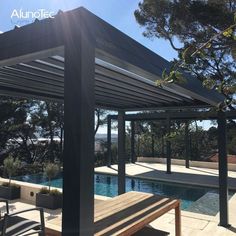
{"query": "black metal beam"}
pixel 168 148
pixel 78 172
pixel 121 152
pixel 183 115
pixel 153 141
pixel 108 141
pixel 132 142
pixel 27 42
pixel 223 170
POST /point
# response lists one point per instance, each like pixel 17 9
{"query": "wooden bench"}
pixel 130 212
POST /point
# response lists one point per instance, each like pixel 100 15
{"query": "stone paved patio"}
pixel 193 224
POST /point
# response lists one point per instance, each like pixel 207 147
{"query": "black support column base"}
pixel 225 226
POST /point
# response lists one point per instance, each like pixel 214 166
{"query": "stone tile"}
pixel 192 223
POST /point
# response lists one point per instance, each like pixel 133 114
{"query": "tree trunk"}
pixel 98 122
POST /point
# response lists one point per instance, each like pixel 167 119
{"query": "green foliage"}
pixel 10 166
pixel 187 55
pixel 53 192
pixel 22 121
pixel 44 190
pixel 10 185
pixel 48 119
pixel 30 169
pixel 207 33
pixel 228 33
pixel 171 136
pixel 51 170
pixel 173 76
pixel 209 83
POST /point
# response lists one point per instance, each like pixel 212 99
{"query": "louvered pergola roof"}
pixel 32 65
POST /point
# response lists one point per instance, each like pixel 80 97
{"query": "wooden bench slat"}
pixel 130 212
pixel 134 221
pixel 103 209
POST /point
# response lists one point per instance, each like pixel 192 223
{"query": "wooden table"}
pixel 128 213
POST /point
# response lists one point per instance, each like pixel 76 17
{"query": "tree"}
pixel 48 117
pixel 51 171
pixel 100 119
pixel 206 32
pixel 15 130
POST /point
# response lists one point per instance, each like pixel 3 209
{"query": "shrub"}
pixel 10 167
pixel 55 192
pixel 44 190
pixel 12 185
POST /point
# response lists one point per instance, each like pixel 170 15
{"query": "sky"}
pixel 119 13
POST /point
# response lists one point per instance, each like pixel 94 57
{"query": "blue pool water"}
pixel 107 185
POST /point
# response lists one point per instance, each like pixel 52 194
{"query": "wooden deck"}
pixel 130 212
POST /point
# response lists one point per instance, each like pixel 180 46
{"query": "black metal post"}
pixel 168 149
pixel 223 170
pixel 121 152
pixel 108 141
pixel 187 148
pixel 132 151
pixel 78 162
pixel 153 142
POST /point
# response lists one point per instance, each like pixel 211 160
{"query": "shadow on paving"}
pixel 186 178
pixel 151 232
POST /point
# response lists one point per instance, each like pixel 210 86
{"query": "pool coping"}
pixel 133 176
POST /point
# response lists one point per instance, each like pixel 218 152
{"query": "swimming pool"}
pixel 107 185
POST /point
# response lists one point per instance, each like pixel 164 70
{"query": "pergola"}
pixel 185 116
pixel 81 60
pixel 167 116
